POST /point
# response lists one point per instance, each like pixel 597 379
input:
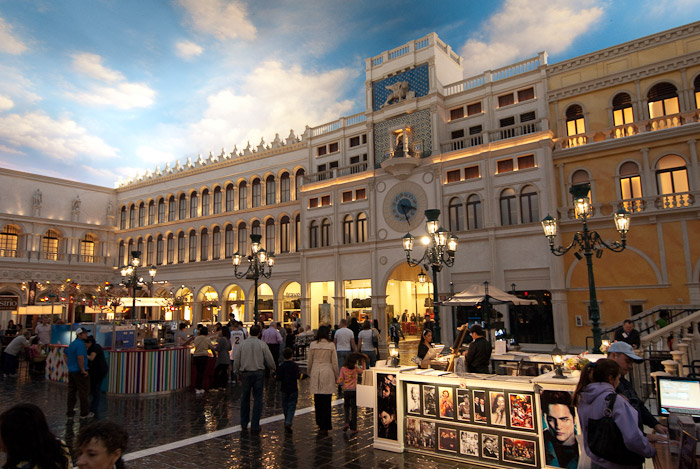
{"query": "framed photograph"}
pixel 420 434
pixel 497 402
pixel 521 411
pixel 545 368
pixel 519 451
pixel 480 407
pixel 447 439
pixel 489 446
pixel 429 401
pixel 447 402
pixel 559 429
pixel 469 443
pixel 413 398
pixel 463 405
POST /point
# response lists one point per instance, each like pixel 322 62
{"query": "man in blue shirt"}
pixel 78 378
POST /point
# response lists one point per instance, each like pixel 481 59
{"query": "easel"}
pixel 462 332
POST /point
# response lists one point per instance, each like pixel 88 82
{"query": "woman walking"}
pixel 366 343
pixel 202 345
pixel 323 373
pixel 223 359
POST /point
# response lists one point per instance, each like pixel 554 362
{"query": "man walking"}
pixel 273 339
pixel 249 361
pixel 78 378
pixel 628 334
pixel 344 340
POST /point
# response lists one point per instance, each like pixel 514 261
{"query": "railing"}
pixel 336 172
pixel 516 130
pixel 651 204
pixel 10 253
pixel 356 119
pixel 335 125
pixel 678 200
pixel 645 322
pixel 396 53
pixel 503 73
pixel 462 143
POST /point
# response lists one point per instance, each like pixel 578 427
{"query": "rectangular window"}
pixel 354 141
pixel 180 249
pixel 347 196
pixel 205 204
pixel 229 199
pixel 575 127
pixel 527 161
pixel 471 172
pixel 623 116
pixel 87 251
pixel 473 109
pixel 333 147
pixel 505 166
pixel 453 176
pixel 360 194
pixel 325 200
pixel 193 206
pixel 285 191
pixel 457 113
pixel 228 243
pixel 183 208
pixel 528 116
pixel 193 247
pixel 320 151
pixel 217 201
pixel 216 245
pixel 313 202
pixel 171 250
pixel 171 210
pixel 506 100
pixel 457 134
pixel 631 187
pixel 151 213
pixel 364 138
pixel 524 95
pixel 507 121
pixel 476 130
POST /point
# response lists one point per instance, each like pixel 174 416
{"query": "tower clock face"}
pixel 404 206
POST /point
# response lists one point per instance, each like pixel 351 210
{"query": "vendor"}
pixel 426 351
pixel 478 356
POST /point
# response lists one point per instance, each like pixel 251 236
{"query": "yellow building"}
pixel 625 119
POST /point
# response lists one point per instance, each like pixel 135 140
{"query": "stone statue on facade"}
pixel 36 203
pixel 397 92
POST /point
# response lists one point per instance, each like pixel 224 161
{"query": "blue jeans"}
pixel 252 380
pixel 350 407
pixel 289 406
pixel 11 362
pixel 372 357
pixel 342 355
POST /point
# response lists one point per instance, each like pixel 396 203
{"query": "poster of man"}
pixel 429 401
pixel 489 446
pixel 480 407
pixel 521 411
pixel 448 439
pixel 413 393
pixel 560 447
pixel 463 405
pixel 469 443
pixel 447 406
pixel 386 406
pixel 519 451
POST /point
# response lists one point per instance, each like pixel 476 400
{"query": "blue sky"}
pixel 102 90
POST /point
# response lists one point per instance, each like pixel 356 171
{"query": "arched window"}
pixel 284 234
pixel 242 239
pixel 9 241
pixel 161 210
pixel 298 182
pixel 230 197
pixel 242 196
pixel 193 246
pixel 204 248
pixel 120 253
pixel 257 192
pixel 325 232
pixel 474 216
pixel 313 234
pixel 194 202
pixel 348 225
pixel 159 249
pixel 181 247
pixel 580 176
pixel 361 227
pixel 171 208
pixel 182 207
pixel 87 248
pixel 622 109
pixel 132 216
pixel 228 242
pixel 285 188
pixel 663 100
pixel 205 202
pixel 270 190
pixel 216 243
pixel 171 248
pixel 671 175
pixel 217 200
pixel 122 219
pixel 139 245
pixel 529 205
pixel 142 214
pixel 630 181
pixel 270 235
pixel 149 252
pixel 151 212
pixel 49 245
pixel 509 210
pixel 255 228
pixel 574 120
pixel 455 214
pixel 696 86
pixel 297 233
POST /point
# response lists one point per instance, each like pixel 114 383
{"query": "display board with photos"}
pixel 493 426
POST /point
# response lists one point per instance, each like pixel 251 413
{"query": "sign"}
pixel 9 303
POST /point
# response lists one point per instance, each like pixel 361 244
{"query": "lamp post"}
pixel 588 242
pixel 259 264
pixel 440 247
pixel 131 279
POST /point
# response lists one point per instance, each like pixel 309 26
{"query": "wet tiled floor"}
pixel 182 430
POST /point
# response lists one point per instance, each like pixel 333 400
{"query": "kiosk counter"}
pixel 490 420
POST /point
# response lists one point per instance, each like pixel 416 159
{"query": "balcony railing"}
pixel 336 172
pixel 491 76
pixel 340 123
pixel 462 143
pixel 650 204
pixel 516 130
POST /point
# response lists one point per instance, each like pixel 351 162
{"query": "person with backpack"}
pixel 395 332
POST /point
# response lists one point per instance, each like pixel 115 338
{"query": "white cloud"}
pixel 5 103
pixel 15 85
pixel 220 18
pixel 272 99
pixel 122 96
pixel 8 42
pixel 188 49
pixel 61 139
pixel 91 65
pixel 522 28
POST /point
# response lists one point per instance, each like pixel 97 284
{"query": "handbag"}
pixel 605 438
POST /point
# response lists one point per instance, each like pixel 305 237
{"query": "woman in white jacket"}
pixel 323 374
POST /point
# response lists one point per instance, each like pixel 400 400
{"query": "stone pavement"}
pixel 182 430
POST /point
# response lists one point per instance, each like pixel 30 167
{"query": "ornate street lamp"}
pixel 260 263
pixel 130 278
pixel 440 247
pixel 588 242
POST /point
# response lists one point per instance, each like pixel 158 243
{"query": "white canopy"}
pixel 477 294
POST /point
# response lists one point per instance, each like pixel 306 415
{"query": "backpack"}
pixel 605 438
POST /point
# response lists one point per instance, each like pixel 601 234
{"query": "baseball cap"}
pixel 624 347
pixel 80 330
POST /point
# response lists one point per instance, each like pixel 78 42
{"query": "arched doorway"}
pixel 291 303
pixel 235 303
pixel 407 299
pixel 209 302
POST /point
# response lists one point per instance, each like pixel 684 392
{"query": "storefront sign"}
pixel 9 303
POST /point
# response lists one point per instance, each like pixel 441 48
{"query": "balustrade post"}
pixel 670 367
pixel 678 359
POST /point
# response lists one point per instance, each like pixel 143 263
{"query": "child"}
pixel 288 373
pixel 352 368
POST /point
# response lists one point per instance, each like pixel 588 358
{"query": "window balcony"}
pixel 336 172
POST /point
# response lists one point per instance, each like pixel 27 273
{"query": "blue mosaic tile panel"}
pixel 420 124
pixel 417 79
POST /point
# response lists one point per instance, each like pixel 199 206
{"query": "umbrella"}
pixel 480 294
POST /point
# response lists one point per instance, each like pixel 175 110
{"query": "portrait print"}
pixel 489 446
pixel 519 451
pixel 386 406
pixel 413 398
pixel 480 407
pixel 559 424
pixel 521 411
pixel 429 401
pixel 447 406
pixel 498 408
pixel 447 439
pixel 469 443
pixel 463 405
